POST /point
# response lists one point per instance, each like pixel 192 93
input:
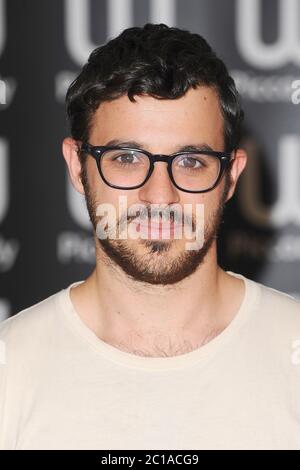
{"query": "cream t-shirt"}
pixel 61 387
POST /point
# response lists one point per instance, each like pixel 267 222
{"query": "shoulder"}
pixel 28 341
pixel 276 322
pixel 270 302
pixel 30 324
pixel 281 313
pixel 274 316
pixel 280 305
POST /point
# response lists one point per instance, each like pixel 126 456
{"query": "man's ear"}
pixel 237 167
pixel 70 153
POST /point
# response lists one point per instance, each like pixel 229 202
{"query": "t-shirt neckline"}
pixel 197 356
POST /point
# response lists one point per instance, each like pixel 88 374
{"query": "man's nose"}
pixel 159 188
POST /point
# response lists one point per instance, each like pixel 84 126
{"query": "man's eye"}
pixel 127 158
pixel 190 162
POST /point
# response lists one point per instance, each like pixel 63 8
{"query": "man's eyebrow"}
pixel 140 145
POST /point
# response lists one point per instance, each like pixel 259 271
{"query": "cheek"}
pixel 208 202
pixel 120 201
pixel 100 190
pixel 94 179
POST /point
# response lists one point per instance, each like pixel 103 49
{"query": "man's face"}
pixel 159 126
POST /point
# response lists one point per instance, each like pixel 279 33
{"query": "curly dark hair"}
pixel 155 60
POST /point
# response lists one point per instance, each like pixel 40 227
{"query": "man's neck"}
pixel 158 320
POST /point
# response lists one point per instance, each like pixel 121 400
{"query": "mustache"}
pixel 155 214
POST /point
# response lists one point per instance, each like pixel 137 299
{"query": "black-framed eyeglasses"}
pixel 130 168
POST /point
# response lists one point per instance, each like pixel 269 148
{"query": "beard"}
pixel 154 262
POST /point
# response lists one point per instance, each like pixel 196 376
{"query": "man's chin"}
pixel 155 262
pixel 158 246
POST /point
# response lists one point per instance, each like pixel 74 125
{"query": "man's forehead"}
pixel 196 116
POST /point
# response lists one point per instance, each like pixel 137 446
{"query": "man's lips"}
pixel 156 228
pixel 156 224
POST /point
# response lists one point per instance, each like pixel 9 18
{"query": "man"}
pixel 159 348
